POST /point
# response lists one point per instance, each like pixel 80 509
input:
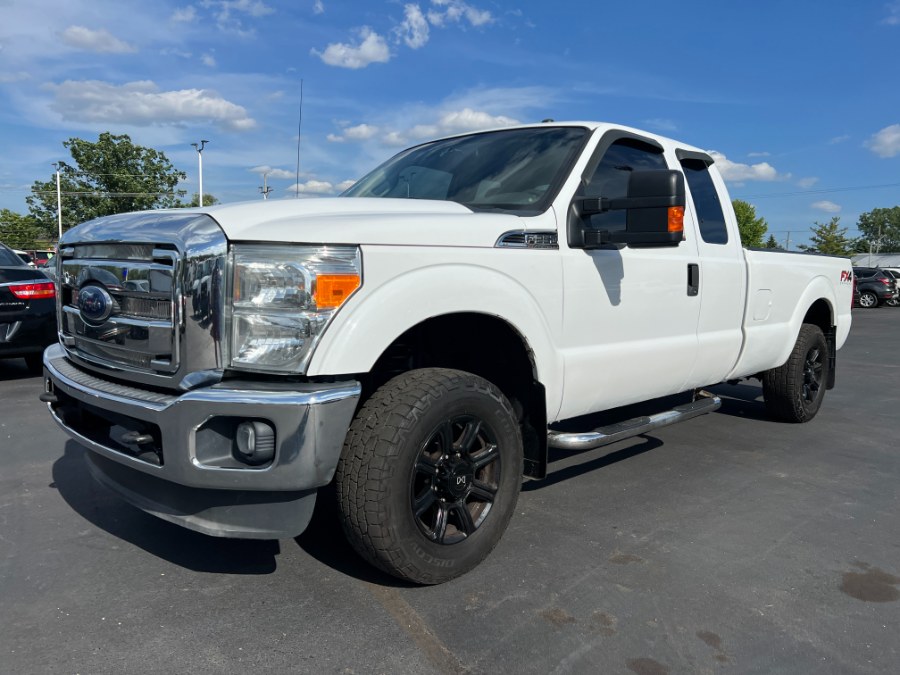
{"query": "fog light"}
pixel 255 442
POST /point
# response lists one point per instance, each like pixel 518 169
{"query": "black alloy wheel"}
pixel 455 479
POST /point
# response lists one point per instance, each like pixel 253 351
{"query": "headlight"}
pixel 283 297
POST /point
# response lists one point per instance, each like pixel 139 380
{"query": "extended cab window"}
pixel 706 201
pixel 611 176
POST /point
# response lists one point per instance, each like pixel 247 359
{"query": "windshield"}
pixel 518 170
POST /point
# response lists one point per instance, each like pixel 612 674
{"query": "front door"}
pixel 630 320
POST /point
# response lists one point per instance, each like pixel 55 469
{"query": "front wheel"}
pixel 430 474
pixel 794 392
pixel 893 302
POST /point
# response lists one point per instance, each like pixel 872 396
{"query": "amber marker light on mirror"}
pixel 676 219
pixel 333 289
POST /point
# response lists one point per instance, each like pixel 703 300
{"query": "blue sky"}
pixel 800 99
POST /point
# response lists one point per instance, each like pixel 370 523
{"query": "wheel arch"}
pixel 481 344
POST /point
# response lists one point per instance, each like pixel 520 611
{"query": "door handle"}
pixel 693 285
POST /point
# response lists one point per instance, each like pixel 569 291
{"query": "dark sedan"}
pixel 27 310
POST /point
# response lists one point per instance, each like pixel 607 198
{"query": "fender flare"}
pixel 364 328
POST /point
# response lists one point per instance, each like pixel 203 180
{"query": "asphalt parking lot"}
pixel 728 544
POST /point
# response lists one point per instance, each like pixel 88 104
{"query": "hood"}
pixel 348 220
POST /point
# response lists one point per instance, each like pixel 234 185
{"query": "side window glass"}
pixel 611 176
pixel 706 201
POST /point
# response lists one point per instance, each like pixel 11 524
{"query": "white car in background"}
pixel 894 272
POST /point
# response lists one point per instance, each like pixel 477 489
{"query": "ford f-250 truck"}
pixel 418 339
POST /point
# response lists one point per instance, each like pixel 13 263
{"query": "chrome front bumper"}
pixel 190 474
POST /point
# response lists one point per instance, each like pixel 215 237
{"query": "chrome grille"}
pixel 161 304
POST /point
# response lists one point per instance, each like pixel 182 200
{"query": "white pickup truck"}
pixel 419 339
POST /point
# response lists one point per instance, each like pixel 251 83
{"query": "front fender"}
pixel 402 289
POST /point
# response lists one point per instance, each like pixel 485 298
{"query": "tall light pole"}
pixel 265 189
pixel 58 200
pixel 199 149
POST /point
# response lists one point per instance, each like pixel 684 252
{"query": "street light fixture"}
pixel 199 149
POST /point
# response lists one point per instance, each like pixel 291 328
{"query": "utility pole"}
pixel 58 200
pixel 199 149
pixel 265 189
pixel 787 242
pixel 879 245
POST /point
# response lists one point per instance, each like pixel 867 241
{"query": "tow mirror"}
pixel 654 211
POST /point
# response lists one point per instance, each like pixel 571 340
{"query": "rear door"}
pixel 722 270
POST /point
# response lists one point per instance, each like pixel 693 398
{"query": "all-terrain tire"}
pixel 430 474
pixel 794 391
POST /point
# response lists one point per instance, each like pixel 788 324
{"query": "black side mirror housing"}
pixel 654 212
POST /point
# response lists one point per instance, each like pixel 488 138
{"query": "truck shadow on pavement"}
pixel 14 369
pixel 742 400
pixel 170 542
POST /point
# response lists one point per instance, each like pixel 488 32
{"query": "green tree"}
pixel 771 242
pixel 110 176
pixel 829 238
pixel 208 200
pixel 881 229
pixel 18 231
pixel 751 228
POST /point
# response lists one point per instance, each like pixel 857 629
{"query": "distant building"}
pixel 877 259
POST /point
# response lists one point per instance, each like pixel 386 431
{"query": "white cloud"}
pixel 371 48
pixel 807 182
pixel 8 78
pixel 885 143
pixel 312 187
pixel 361 132
pixel 662 124
pixel 208 60
pixel 142 104
pixel 394 138
pixel 318 7
pixel 100 41
pixel 826 206
pixel 736 172
pixel 283 174
pixel 414 29
pixel 454 11
pixel 893 17
pixel 228 14
pixel 472 120
pixel 449 123
pixel 185 14
pixel 758 154
pixel 344 185
pixel 838 139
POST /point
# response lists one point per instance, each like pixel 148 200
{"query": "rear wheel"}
pixel 430 474
pixel 868 299
pixel 893 302
pixel 794 392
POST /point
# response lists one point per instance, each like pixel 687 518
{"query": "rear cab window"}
pixel 707 206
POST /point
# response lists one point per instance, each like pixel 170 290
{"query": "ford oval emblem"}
pixel 95 303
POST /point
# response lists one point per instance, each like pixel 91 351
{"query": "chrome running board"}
pixel 589 440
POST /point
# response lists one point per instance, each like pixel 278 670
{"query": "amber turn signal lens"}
pixel 333 289
pixel 676 219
